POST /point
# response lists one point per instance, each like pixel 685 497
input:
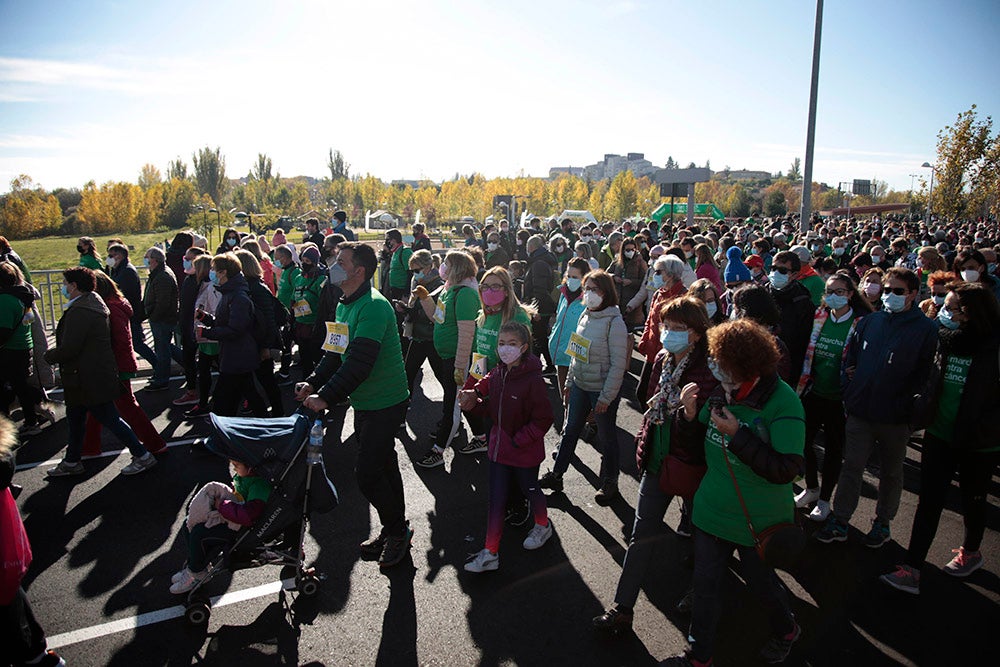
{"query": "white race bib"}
pixel 337 337
pixel 579 347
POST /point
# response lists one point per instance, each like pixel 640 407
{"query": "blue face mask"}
pixel 230 242
pixel 835 301
pixel 188 264
pixel 418 276
pixel 944 317
pixel 718 373
pixel 894 303
pixel 213 277
pixel 674 341
pixel 657 281
pixel 779 280
pixel 573 284
pixel 711 308
pixel 65 293
pixel 145 262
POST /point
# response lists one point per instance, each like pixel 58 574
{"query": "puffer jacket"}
pixel 233 328
pixel 608 358
pixel 567 317
pixel 160 297
pixel 517 402
pixel 84 354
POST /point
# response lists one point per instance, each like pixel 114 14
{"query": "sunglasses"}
pixel 898 291
pixel 782 270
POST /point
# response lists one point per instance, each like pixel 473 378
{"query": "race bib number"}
pixel 439 313
pixel 579 348
pixel 337 337
pixel 478 368
pixel 301 308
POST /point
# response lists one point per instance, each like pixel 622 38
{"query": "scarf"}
pixel 669 397
pixel 819 319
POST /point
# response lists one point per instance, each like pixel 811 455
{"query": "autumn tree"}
pixel 149 176
pixel 28 210
pixel 177 169
pixel 966 169
pixel 795 171
pixel 338 168
pixel 262 169
pixel 622 197
pixel 210 173
pixel 775 204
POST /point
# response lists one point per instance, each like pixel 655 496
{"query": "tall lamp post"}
pixel 930 191
pixel 806 209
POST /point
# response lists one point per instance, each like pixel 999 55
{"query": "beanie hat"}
pixel 310 254
pixel 340 215
pixel 736 271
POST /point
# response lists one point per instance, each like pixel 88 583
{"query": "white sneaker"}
pixel 484 561
pixel 187 581
pixel 538 536
pixel 139 464
pixel 178 575
pixel 806 498
pixel 821 511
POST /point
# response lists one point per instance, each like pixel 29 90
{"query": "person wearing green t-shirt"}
pixel 371 376
pixel 16 316
pixel 88 254
pixel 819 387
pixel 499 306
pixel 399 275
pixel 754 442
pixel 454 330
pixel 964 432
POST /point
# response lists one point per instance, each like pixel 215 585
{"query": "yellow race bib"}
pixel 337 337
pixel 478 368
pixel 579 347
pixel 301 308
pixel 439 313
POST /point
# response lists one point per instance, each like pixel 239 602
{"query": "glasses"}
pixel 838 292
pixel 782 270
pixel 898 291
pixel 495 288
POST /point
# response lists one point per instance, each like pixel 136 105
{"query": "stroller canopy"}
pixel 266 445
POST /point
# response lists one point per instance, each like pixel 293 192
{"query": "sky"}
pixel 408 90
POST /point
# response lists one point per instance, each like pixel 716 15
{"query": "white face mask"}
pixel 592 299
pixel 970 275
pixel 492 246
pixel 629 254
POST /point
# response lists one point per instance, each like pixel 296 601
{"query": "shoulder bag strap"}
pixel 739 494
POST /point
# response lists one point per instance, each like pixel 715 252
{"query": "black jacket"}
pixel 326 310
pixel 539 281
pixel 795 326
pixel 188 295
pixel 127 278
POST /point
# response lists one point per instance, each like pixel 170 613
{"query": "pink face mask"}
pixel 494 297
pixel 443 271
pixel 509 353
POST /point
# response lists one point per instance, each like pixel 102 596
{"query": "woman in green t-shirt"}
pixel 755 436
pixel 964 432
pixel 454 328
pixel 834 321
pixel 88 254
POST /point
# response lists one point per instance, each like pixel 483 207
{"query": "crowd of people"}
pixel 753 336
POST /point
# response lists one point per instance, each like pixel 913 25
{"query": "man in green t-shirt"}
pixel 399 272
pixel 371 375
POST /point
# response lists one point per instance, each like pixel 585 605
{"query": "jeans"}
pixel 231 388
pixel 647 531
pixel 827 414
pixel 133 415
pixel 711 559
pixel 500 478
pixel 15 367
pixel 937 468
pixel 204 543
pixel 139 341
pixel 862 438
pixel 205 363
pixel 377 469
pixel 580 404
pixel 189 351
pixel 165 350
pixel 106 414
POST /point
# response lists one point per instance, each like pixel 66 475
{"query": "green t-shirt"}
pixel 456 303
pixel 13 316
pixel 399 268
pixel 956 372
pixel 305 297
pixel 717 511
pixel 286 285
pixel 371 316
pixel 816 287
pixel 487 335
pixel 828 357
pixel 251 488
pixel 91 262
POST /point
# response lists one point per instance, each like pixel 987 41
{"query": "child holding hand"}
pixel 215 517
pixel 514 395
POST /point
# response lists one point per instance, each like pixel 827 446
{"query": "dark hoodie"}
pixel 84 353
pixel 540 280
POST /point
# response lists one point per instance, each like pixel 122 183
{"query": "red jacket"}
pixel 649 344
pixel 121 334
pixel 518 403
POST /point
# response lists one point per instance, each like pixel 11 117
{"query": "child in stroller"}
pixel 282 480
pixel 215 516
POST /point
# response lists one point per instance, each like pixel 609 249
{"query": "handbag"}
pixel 778 546
pixel 680 478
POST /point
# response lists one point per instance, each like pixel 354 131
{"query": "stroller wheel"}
pixel 307 585
pixel 197 613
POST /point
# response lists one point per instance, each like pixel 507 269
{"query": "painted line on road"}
pixel 161 615
pixel 102 455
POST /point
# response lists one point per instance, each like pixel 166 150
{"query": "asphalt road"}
pixel 106 545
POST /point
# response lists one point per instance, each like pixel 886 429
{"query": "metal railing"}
pixel 49 284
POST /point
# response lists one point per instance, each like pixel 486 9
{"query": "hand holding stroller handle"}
pixel 311 414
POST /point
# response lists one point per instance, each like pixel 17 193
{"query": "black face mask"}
pixel 307 267
pixel 80 249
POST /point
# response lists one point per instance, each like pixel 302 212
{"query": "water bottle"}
pixel 315 450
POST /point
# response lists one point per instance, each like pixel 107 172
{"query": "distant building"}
pixel 572 171
pixel 744 175
pixel 613 164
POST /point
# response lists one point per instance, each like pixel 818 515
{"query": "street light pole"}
pixel 805 211
pixel 930 191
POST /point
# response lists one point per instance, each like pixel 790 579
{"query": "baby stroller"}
pixel 279 451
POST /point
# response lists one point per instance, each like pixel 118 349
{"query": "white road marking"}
pixel 170 613
pixel 102 455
